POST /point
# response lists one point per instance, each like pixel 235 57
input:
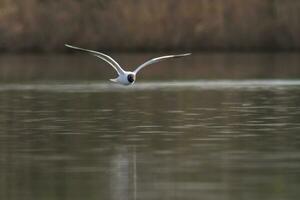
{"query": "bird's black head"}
pixel 130 78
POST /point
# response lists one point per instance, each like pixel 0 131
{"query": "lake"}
pixel 211 126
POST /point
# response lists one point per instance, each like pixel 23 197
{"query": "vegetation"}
pixel 45 25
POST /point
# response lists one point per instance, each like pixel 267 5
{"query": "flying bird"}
pixel 125 77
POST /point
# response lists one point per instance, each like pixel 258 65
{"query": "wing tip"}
pixel 182 55
pixel 70 46
pixel 76 48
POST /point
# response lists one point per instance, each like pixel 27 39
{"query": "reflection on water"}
pixel 156 140
pixel 14 68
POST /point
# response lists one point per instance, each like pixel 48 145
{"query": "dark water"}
pixel 72 137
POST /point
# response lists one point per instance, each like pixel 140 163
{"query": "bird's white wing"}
pixel 102 56
pixel 155 60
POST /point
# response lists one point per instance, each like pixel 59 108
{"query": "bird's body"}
pixel 124 77
pixel 127 78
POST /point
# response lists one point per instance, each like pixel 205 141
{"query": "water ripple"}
pixel 167 85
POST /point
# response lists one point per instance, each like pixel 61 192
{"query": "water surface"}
pixel 81 138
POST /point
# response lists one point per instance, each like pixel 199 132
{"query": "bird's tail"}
pixel 113 80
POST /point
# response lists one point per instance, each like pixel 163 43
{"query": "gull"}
pixel 125 77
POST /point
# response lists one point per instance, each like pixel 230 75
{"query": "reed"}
pixel 34 25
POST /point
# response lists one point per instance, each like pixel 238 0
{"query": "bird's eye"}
pixel 130 78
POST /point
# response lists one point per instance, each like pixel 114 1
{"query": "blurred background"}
pixel 222 123
pixel 135 25
pixel 260 35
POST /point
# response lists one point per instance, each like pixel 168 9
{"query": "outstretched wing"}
pixel 155 60
pixel 102 56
